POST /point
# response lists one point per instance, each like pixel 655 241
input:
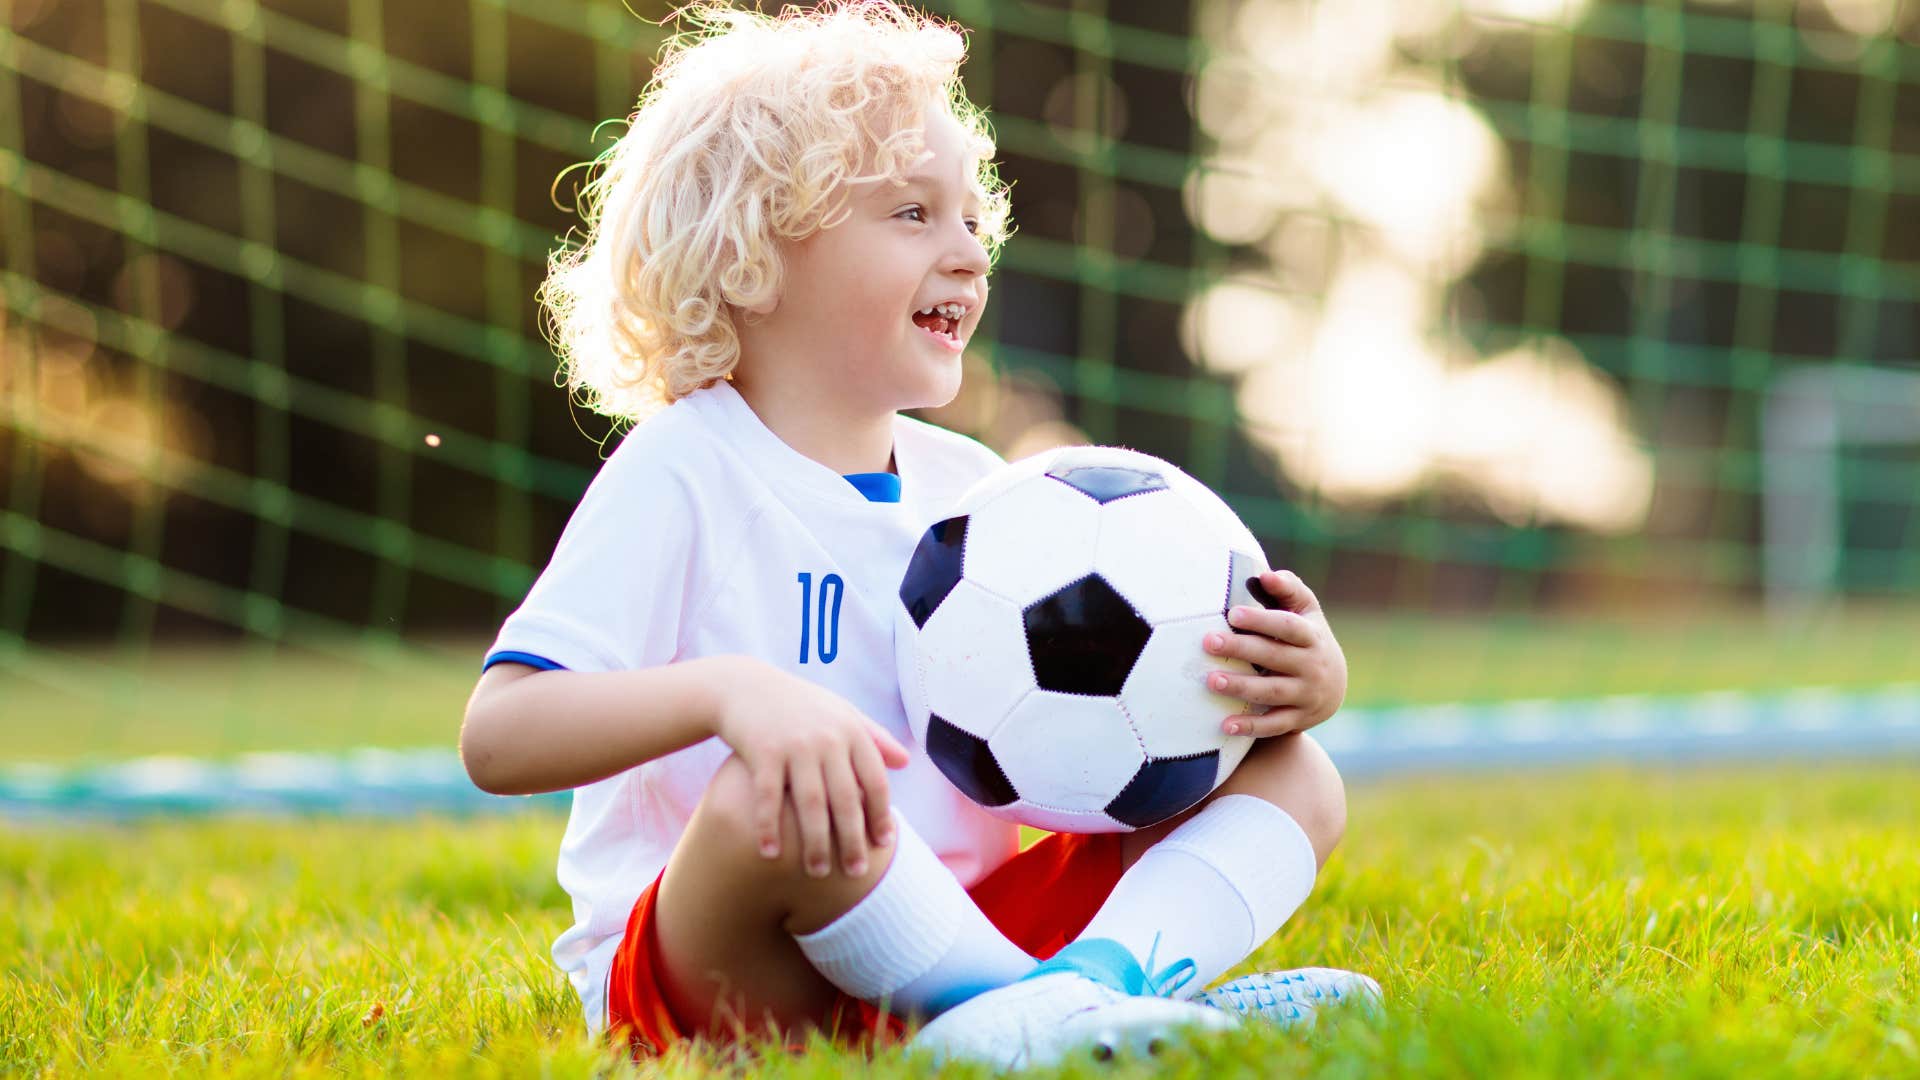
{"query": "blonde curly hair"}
pixel 750 132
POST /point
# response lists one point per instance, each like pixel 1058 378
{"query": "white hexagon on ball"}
pixel 973 660
pixel 1110 457
pixel 1166 695
pixel 990 487
pixel 1220 517
pixel 1030 540
pixel 1067 821
pixel 1137 532
pixel 1067 751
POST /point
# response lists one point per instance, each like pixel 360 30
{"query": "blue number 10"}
pixel 829 627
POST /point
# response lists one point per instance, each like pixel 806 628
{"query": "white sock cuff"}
pixel 1259 849
pixel 897 932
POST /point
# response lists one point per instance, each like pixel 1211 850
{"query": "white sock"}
pixel 917 941
pixel 1212 891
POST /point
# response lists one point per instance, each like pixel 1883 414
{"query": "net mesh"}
pixel 1489 305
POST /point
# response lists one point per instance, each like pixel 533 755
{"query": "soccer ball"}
pixel 1050 640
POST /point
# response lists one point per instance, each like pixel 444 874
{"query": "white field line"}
pixel 1813 722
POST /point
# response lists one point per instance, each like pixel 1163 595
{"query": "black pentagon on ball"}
pixel 1163 787
pixel 1084 638
pixel 934 569
pixel 1105 483
pixel 967 761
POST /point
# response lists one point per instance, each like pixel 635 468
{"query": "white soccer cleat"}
pixel 1040 1021
pixel 1290 998
pixel 1083 1001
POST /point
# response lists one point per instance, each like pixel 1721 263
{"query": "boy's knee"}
pixel 1330 800
pixel 728 823
pixel 1295 774
pixel 725 832
pixel 727 817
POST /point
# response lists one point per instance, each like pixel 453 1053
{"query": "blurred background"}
pixel 1568 349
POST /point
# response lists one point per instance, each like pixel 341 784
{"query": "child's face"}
pixel 853 293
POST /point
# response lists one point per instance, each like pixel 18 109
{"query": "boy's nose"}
pixel 967 257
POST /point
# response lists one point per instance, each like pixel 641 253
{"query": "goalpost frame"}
pixel 1810 415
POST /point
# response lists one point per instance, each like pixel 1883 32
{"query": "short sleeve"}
pixel 614 595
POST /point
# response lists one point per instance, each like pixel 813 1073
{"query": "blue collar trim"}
pixel 877 486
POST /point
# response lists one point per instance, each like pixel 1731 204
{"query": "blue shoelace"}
pixel 1108 963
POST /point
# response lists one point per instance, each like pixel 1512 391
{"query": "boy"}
pixel 790 245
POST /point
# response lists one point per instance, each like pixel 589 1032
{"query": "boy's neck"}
pixel 823 430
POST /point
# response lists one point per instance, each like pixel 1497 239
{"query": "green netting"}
pixel 1478 305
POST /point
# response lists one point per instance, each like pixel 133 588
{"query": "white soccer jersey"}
pixel 705 534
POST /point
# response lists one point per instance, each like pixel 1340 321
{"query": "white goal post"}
pixel 1810 415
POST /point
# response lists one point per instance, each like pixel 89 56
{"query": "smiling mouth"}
pixel 937 325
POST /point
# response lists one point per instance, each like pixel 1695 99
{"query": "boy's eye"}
pixel 919 214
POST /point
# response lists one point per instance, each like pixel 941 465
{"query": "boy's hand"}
pixel 807 745
pixel 1307 672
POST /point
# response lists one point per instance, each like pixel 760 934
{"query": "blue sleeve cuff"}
pixel 507 656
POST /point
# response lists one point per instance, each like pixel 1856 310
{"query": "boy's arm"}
pixel 529 731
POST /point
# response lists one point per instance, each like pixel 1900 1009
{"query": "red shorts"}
pixel 1041 899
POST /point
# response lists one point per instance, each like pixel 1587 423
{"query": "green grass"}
pixel 226 699
pixel 222 700
pixel 1609 923
pixel 1699 923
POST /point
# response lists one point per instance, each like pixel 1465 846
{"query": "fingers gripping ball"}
pixel 1051 640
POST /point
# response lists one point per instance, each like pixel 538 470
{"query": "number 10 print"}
pixel 828 636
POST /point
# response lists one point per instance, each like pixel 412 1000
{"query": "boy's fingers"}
pixel 871 771
pixel 1256 689
pixel 1258 650
pixel 809 793
pixel 849 814
pixel 1288 591
pixel 1277 722
pixel 1287 627
pixel 769 787
pixel 892 754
